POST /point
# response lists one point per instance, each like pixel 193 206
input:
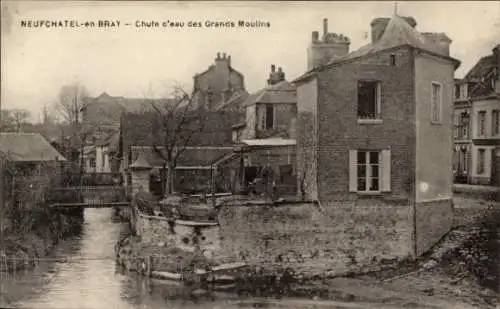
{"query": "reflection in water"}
pixel 85 276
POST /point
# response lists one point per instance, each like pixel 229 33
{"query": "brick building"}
pixel 374 133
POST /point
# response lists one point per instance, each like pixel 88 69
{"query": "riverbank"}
pixel 23 248
pixel 460 268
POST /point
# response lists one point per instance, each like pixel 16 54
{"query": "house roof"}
pixel 234 102
pixel 28 147
pixel 481 69
pixel 275 141
pixel 190 157
pixel 481 75
pixel 397 33
pixel 282 92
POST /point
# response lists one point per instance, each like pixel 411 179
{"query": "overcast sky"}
pixel 130 61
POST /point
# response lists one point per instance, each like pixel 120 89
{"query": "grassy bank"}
pixel 25 243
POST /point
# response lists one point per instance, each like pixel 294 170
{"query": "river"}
pixel 81 273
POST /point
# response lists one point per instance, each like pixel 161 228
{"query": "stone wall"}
pixel 433 220
pixel 310 242
pixel 160 231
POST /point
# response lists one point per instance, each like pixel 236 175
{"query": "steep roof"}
pixel 28 147
pixel 397 33
pixel 481 76
pixel 282 92
pixel 481 69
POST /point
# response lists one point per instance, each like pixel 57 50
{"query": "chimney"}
pixel 223 60
pixel 325 27
pixel 275 77
pixel 315 36
pixel 281 74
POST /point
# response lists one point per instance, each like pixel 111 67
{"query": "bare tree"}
pixel 13 119
pixel 70 105
pixel 47 116
pixel 176 121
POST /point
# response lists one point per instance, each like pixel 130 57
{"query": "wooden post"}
pixel 212 168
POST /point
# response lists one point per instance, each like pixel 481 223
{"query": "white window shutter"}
pixel 386 171
pixel 353 170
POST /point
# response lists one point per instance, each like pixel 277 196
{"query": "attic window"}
pixel 393 60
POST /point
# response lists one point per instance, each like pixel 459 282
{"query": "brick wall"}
pixel 339 131
pixel 312 243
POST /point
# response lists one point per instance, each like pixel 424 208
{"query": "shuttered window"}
pixel 369 171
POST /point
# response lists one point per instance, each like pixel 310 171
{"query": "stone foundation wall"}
pixel 160 231
pixel 433 220
pixel 310 242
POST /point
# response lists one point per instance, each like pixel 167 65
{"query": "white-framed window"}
pixel 481 123
pixel 436 102
pixel 369 97
pixel 265 115
pixel 369 171
pixel 495 122
pixel 481 157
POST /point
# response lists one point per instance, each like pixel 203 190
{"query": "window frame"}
pixel 368 171
pixel 481 123
pixel 262 116
pixel 439 119
pixel 481 161
pixel 495 122
pixel 378 102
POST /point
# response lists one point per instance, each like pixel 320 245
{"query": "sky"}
pixel 138 62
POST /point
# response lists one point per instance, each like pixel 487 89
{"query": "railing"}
pixel 102 179
pixel 90 195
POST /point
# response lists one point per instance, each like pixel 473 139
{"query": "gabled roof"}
pixel 282 92
pixel 28 147
pixel 397 33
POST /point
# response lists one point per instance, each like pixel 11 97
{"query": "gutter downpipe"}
pixel 413 196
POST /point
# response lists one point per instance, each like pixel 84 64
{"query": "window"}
pixel 269 116
pixel 480 160
pixel 495 122
pixel 393 60
pixel 457 91
pixel 265 114
pixel 92 163
pixel 368 100
pixel 369 171
pixel 436 102
pixel 481 122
